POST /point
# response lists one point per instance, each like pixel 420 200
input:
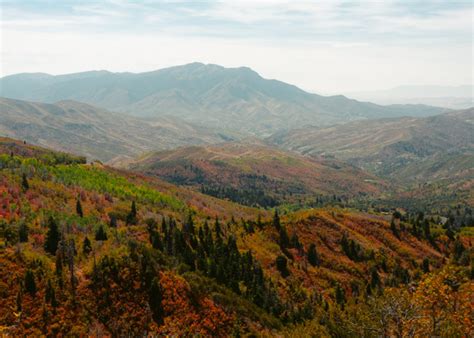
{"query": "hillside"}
pixel 403 148
pixel 95 132
pixel 90 250
pixel 235 99
pixel 254 174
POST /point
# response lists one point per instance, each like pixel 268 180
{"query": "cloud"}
pixel 326 46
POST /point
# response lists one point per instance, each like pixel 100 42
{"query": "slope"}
pixel 252 173
pixel 84 254
pixel 94 132
pixel 227 98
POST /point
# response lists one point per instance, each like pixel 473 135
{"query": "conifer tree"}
pixel 394 229
pixel 52 237
pixel 113 221
pixel 30 284
pixel 276 220
pixel 86 246
pixel 281 264
pixel 155 297
pixel 24 182
pixel 100 234
pixel 426 265
pixel 340 295
pixel 313 257
pixel 79 208
pixel 50 295
pixel 132 215
pixel 284 240
pixel 23 232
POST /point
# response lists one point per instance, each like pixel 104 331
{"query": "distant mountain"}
pixel 256 174
pixel 211 95
pixel 408 149
pixel 95 132
pixel 455 97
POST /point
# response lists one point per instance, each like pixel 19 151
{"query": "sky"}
pixel 321 46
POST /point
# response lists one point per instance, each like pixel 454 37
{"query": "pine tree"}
pixel 132 215
pixel 50 294
pixel 79 208
pixel 394 229
pixel 313 257
pixel 24 182
pixel 23 232
pixel 284 240
pixel 113 221
pixel 100 234
pixel 426 265
pixel 86 246
pixel 276 220
pixel 30 285
pixel 281 264
pixel 52 237
pixel 340 295
pixel 155 297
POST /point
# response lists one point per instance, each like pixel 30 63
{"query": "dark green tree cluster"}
pixel 352 249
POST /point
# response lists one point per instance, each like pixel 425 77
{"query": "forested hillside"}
pixel 90 250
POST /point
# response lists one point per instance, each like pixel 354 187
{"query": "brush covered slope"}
pixel 211 95
pixel 258 175
pixel 431 156
pixel 89 250
pixel 95 132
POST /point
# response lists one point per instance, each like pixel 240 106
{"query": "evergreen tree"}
pixel 79 208
pixel 217 228
pixel 374 278
pixel 50 295
pixel 276 220
pixel 100 234
pixel 281 264
pixel 426 229
pixel 86 246
pixel 155 297
pixel 24 182
pixel 23 232
pixel 113 221
pixel 426 265
pixel 52 237
pixel 313 257
pixel 394 229
pixel 30 285
pixel 340 295
pixel 132 215
pixel 284 240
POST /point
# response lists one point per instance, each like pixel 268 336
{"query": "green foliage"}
pixel 155 300
pixel 313 257
pixel 281 265
pixel 30 284
pixel 52 236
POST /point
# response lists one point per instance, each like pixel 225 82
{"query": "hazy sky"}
pixel 321 46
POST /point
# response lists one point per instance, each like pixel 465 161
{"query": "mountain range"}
pixel 95 132
pixel 236 99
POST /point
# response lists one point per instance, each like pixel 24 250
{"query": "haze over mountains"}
pixel 95 132
pixel 236 99
pixel 455 97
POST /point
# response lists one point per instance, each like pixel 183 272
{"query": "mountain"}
pixel 454 97
pixel 236 99
pixel 408 150
pixel 255 174
pixel 95 132
pixel 90 250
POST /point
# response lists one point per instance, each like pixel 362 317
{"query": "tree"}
pixel 394 229
pixel 79 208
pixel 155 297
pixel 50 294
pixel 276 220
pixel 426 265
pixel 30 284
pixel 132 215
pixel 281 264
pixel 52 237
pixel 24 182
pixel 86 246
pixel 313 257
pixel 284 240
pixel 100 234
pixel 23 232
pixel 340 295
